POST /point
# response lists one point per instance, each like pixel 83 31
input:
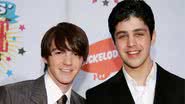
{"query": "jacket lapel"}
pixel 72 100
pixel 120 87
pixel 38 94
pixel 76 98
pixel 160 89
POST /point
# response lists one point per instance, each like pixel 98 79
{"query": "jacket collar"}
pixel 160 90
pixel 38 92
pixel 120 89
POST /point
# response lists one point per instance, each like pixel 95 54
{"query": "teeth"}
pixel 66 70
pixel 133 52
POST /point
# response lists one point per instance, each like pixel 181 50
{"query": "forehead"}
pixel 60 46
pixel 53 45
pixel 131 24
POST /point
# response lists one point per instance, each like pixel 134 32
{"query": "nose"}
pixel 68 59
pixel 131 41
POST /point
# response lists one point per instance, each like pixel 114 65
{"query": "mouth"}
pixel 133 54
pixel 66 70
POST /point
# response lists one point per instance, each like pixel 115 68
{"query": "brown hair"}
pixel 75 37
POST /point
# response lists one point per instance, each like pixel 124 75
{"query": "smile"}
pixel 133 52
pixel 66 70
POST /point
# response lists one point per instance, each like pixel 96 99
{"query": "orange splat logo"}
pixel 103 59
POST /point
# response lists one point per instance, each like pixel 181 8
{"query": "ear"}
pixel 83 62
pixel 153 37
pixel 45 60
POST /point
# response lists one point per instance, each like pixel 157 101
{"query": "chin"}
pixel 66 82
pixel 133 65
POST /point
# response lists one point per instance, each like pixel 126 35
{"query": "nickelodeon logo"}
pixel 103 59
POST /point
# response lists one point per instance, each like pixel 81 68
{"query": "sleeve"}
pixel 4 96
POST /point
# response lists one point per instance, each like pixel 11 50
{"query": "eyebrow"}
pixel 140 29
pixel 135 30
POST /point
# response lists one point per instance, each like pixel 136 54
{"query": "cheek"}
pixel 146 45
pixel 78 64
pixel 120 45
pixel 147 42
pixel 54 63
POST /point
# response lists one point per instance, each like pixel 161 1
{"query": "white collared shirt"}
pixel 142 94
pixel 54 93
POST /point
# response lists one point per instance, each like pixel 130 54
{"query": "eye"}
pixel 139 34
pixel 74 53
pixel 57 52
pixel 120 36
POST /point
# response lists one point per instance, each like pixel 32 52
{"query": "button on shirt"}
pixel 54 93
pixel 142 94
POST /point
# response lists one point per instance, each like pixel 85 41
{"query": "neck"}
pixel 140 74
pixel 64 87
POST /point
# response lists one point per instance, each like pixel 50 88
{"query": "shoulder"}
pixel 170 86
pixel 23 86
pixel 169 83
pixel 103 88
pixel 15 92
pixel 73 93
pixel 20 92
pixel 99 88
pixel 76 98
pixel 19 86
pixel 166 76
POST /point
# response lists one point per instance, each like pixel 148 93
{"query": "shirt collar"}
pixel 151 77
pixel 53 91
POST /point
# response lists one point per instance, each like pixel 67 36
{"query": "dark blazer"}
pixel 169 89
pixel 30 92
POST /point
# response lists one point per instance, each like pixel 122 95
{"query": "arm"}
pixel 4 96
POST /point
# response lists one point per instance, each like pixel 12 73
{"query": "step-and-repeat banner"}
pixel 24 22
